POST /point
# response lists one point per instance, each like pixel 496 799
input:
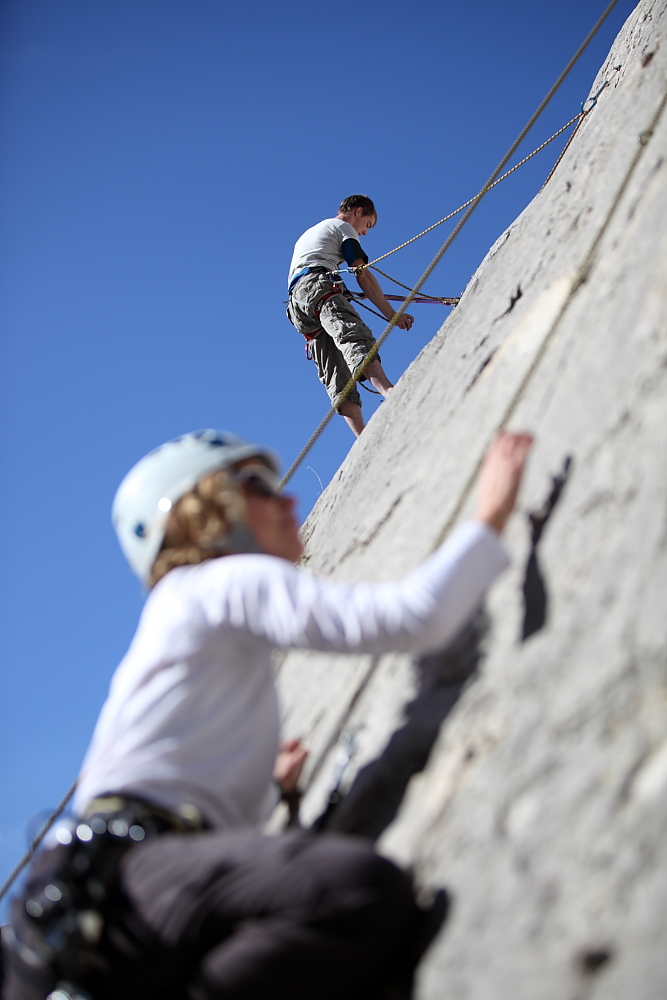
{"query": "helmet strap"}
pixel 239 538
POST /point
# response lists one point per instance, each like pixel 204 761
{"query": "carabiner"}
pixel 593 99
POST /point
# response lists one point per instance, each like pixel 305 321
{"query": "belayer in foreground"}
pixel 164 885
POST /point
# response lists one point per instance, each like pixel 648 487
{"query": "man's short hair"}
pixel 358 201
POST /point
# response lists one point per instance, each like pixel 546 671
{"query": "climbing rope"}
pixel 577 118
pixel 368 309
pixel 584 112
pixel 563 152
pixel 431 299
pixel 449 300
pixel 445 300
pixel 472 205
pixel 37 840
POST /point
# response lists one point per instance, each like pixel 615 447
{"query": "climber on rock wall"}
pixel 163 885
pixel 338 339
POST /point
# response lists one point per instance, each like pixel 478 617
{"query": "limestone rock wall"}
pixel 533 756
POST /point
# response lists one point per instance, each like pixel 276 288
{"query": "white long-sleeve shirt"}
pixel 192 713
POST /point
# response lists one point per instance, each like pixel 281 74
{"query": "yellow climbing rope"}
pixel 448 300
pixel 451 300
pixel 564 128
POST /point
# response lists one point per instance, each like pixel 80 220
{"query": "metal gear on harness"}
pixel 68 907
pixel 74 891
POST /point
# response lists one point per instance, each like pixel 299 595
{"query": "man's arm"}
pixel 371 289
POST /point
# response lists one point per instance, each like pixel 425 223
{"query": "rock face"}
pixel 526 769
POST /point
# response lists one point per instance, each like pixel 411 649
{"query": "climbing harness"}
pixel 316 312
pixel 474 202
pixel 337 288
pixel 68 905
pixel 73 895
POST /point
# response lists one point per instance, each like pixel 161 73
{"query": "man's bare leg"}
pixel 352 411
pixel 353 416
pixel 376 375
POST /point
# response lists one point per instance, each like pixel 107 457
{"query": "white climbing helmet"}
pixel 150 489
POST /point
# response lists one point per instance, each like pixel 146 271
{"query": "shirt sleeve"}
pixel 292 609
pixel 352 250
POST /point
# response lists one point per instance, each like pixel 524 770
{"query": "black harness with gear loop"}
pixel 72 898
pixel 337 288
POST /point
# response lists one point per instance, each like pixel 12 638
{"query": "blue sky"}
pixel 158 160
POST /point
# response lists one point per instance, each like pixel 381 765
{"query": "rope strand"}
pixel 577 118
pixel 37 840
pixel 445 300
pixel 563 152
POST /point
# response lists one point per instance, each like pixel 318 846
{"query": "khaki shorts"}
pixel 344 340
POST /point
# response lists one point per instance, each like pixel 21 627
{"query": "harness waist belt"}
pixel 187 819
pixel 315 269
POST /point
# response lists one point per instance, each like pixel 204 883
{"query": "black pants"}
pixel 241 916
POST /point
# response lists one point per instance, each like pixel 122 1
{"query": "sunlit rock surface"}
pixel 542 804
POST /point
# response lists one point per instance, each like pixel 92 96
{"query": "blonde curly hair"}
pixel 197 522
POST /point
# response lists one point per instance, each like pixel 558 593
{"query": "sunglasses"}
pixel 259 480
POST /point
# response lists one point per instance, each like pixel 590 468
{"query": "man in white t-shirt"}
pixel 338 339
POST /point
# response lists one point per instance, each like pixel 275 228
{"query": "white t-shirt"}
pixel 192 713
pixel 321 246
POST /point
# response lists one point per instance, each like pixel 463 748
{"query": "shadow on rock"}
pixel 534 588
pixel 376 793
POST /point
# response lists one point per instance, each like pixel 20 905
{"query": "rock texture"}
pixel 526 769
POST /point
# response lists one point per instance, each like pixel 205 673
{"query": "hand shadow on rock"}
pixel 378 789
pixel 535 597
